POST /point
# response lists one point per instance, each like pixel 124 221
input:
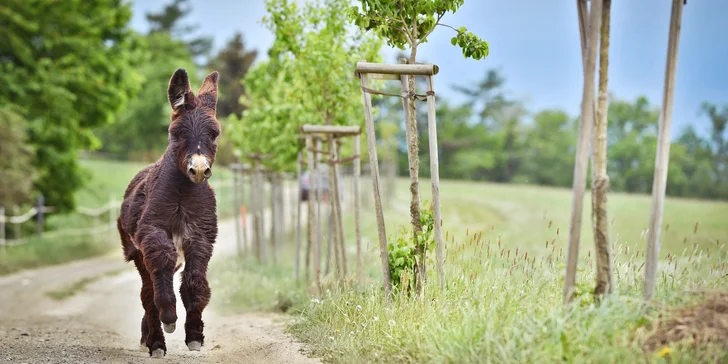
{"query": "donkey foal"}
pixel 168 217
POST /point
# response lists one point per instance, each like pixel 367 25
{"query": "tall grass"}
pixel 505 265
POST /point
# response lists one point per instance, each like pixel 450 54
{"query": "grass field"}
pixel 504 266
pixel 107 179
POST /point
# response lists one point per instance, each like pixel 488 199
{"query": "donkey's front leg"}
pixel 195 291
pixel 160 257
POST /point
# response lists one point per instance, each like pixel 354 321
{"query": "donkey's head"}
pixel 194 129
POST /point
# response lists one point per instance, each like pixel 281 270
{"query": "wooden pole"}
pixel 41 215
pixel 319 178
pixel 337 208
pixel 2 227
pixel 582 149
pixel 338 263
pixel 662 159
pixel 243 219
pixel 273 214
pixel 112 217
pixel 419 69
pixel 374 168
pixel 312 216
pixel 17 226
pixel 329 242
pixel 236 210
pixel 255 238
pixel 297 192
pixel 435 179
pixel 261 213
pixel 357 207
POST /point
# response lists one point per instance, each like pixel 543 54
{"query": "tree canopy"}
pixel 67 67
pixel 308 79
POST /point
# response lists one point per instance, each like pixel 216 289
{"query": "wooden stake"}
pixel 374 169
pixel 332 208
pixel 236 211
pixel 662 159
pixel 312 217
pixel 435 179
pixel 585 131
pixel 2 227
pixel 254 187
pixel 357 207
pixel 337 208
pixel 297 191
pixel 273 215
pixel 244 218
pixel 319 178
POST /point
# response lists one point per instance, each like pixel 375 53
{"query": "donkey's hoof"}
pixel 143 348
pixel 194 345
pixel 158 353
pixel 169 328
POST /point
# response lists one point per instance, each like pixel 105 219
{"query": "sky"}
pixel 535 45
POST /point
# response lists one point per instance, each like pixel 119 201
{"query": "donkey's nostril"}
pixel 208 173
pixel 191 171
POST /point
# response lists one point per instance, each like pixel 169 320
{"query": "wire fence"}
pixel 98 226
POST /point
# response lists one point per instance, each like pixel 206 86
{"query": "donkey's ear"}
pixel 208 91
pixel 179 92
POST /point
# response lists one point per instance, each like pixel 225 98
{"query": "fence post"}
pixel 2 227
pixel 236 208
pixel 112 216
pixel 16 225
pixel 41 217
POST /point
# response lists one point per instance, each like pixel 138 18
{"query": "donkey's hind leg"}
pixel 195 292
pixel 152 336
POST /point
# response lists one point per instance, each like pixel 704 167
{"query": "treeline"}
pixel 491 137
pixel 76 77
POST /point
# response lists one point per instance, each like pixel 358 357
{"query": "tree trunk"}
pixel 582 149
pixel 414 164
pixel 663 152
pixel 600 184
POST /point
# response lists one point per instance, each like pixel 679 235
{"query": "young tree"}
pixel 308 80
pixel 408 24
pixel 600 184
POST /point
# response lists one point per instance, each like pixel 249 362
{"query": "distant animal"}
pixel 168 217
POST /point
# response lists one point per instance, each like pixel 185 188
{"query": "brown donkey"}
pixel 168 218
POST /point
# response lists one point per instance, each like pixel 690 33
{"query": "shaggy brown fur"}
pixel 168 216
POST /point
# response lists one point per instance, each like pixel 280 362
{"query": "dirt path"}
pixel 101 322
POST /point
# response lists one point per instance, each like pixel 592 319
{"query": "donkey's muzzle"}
pixel 198 168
